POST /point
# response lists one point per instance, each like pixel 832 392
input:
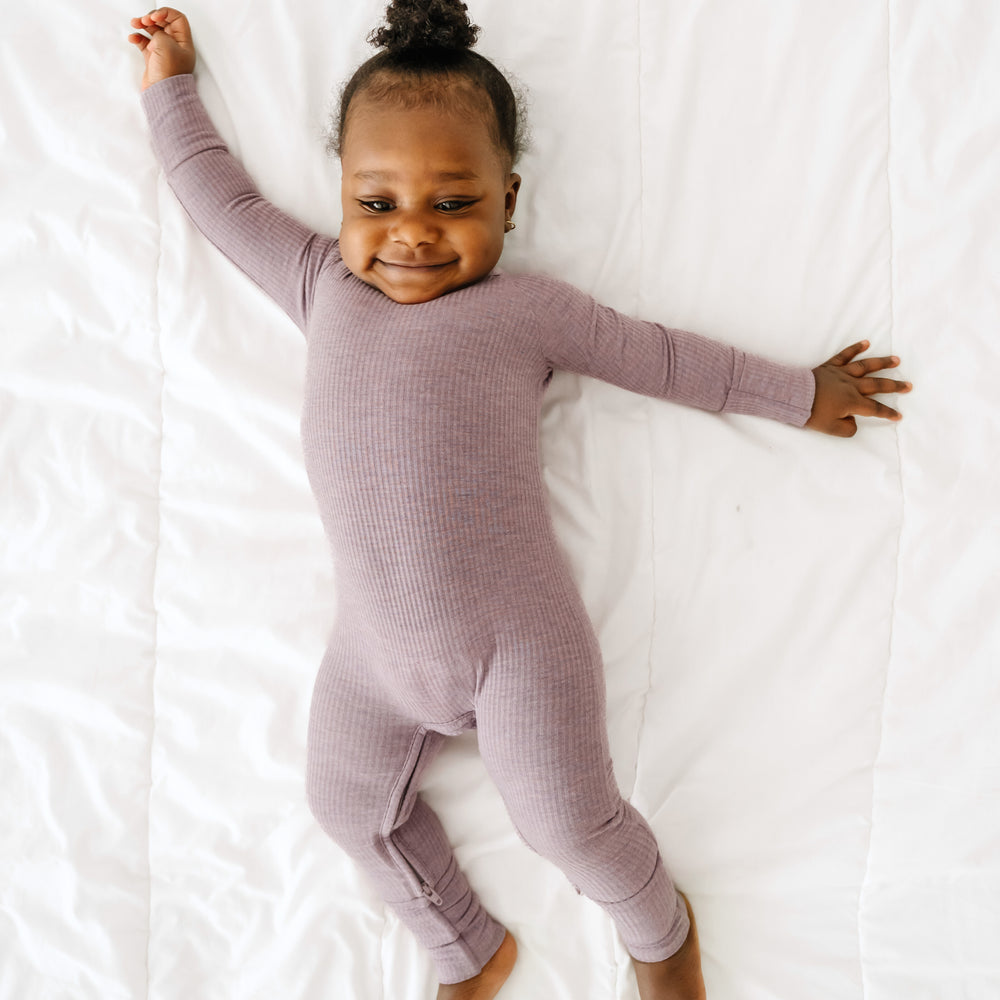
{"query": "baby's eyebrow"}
pixel 444 175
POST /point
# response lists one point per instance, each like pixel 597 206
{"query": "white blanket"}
pixel 801 633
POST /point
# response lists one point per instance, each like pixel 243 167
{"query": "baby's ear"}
pixel 513 186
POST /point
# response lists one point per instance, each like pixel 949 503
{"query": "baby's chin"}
pixel 413 289
pixel 410 298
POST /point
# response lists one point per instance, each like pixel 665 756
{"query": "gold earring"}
pixel 508 226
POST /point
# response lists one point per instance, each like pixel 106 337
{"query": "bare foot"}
pixel 487 984
pixel 675 978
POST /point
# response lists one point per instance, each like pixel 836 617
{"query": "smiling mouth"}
pixel 414 265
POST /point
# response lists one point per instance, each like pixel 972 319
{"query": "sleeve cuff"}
pixel 161 95
pixel 764 388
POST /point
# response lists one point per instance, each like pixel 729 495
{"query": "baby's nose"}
pixel 415 229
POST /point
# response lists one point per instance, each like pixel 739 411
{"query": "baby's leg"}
pixel 543 736
pixel 364 769
pixel 488 983
pixel 676 978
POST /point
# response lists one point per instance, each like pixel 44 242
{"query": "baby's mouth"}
pixel 415 265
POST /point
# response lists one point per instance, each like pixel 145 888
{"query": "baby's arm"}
pixel 581 335
pixel 585 337
pixel 280 254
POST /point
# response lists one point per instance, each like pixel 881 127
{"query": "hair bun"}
pixel 425 24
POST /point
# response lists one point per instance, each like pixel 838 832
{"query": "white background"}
pixel 801 633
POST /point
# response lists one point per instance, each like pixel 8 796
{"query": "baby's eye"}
pixel 453 205
pixel 376 205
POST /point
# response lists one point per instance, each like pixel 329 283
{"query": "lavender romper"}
pixel 457 610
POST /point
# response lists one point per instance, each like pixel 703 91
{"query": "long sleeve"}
pixel 586 338
pixel 280 254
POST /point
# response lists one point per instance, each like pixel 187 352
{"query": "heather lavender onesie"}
pixel 420 433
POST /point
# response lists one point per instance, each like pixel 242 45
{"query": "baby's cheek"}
pixel 486 246
pixel 351 250
pixel 494 251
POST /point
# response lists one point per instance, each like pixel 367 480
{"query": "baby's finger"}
pixel 174 24
pixel 876 409
pixel 849 353
pixel 873 386
pixel 141 40
pixel 166 15
pixel 146 23
pixel 865 366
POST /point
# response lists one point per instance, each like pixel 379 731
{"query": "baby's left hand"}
pixel 844 390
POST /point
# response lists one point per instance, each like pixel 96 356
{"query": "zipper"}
pixel 429 892
pixel 398 797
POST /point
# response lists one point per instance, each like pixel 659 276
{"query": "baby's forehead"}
pixel 442 139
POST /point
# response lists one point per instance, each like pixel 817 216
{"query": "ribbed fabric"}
pixel 420 433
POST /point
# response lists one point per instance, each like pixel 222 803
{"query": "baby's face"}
pixel 425 197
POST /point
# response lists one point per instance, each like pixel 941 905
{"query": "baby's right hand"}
pixel 169 50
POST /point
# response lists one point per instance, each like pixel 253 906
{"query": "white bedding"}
pixel 801 633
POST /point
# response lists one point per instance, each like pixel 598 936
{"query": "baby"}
pixel 424 379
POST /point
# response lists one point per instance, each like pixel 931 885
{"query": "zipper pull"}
pixel 431 894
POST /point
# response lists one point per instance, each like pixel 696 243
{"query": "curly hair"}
pixel 430 24
pixel 427 58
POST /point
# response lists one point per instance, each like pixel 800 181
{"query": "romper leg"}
pixel 543 736
pixel 364 768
